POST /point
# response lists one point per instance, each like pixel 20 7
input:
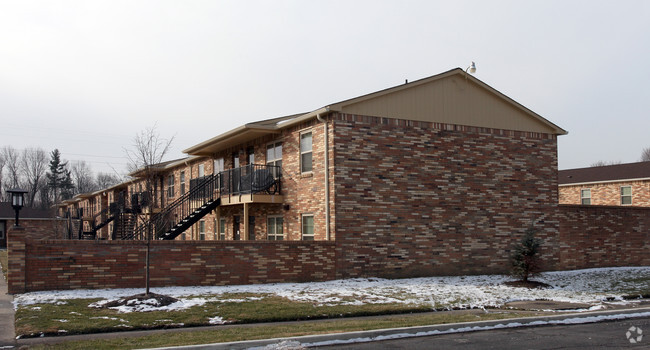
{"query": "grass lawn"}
pixel 76 317
pixel 227 334
pixel 4 262
pixel 70 312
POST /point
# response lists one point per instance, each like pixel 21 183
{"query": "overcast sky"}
pixel 86 76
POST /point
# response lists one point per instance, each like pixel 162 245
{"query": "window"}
pixel 585 196
pixel 182 182
pixel 218 165
pixel 305 152
pixel 202 230
pixel 251 155
pixel 274 157
pixel 201 170
pixel 307 227
pixel 222 229
pixel 274 228
pixel 626 195
pixel 170 186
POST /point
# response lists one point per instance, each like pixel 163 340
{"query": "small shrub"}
pixel 524 258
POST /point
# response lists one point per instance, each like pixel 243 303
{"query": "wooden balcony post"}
pixel 246 223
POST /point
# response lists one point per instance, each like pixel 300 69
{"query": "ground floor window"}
pixel 202 230
pixel 222 229
pixel 307 227
pixel 274 231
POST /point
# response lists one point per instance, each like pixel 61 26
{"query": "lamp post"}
pixel 17 201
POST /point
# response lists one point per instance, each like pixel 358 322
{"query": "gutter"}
pixel 327 171
pixel 604 182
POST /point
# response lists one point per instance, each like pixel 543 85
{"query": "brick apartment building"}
pixel 620 184
pixel 426 164
pixel 439 176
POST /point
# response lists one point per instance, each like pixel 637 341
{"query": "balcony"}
pixel 248 184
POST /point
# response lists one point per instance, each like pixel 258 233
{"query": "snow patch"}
pixel 589 286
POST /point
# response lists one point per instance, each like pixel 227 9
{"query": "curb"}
pixel 417 331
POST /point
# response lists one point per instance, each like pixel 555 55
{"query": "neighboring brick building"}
pixel 621 184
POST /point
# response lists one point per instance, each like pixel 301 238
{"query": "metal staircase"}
pixel 203 197
pixel 183 212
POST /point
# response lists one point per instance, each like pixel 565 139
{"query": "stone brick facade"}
pixel 607 193
pixel 418 198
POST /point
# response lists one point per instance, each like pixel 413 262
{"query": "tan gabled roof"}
pixel 453 97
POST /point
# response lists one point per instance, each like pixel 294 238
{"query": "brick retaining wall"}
pixel 62 264
pixel 602 236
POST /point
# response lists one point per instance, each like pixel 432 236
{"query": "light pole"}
pixel 17 201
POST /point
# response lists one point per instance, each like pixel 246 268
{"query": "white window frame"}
pixel 218 166
pixel 222 229
pixel 584 198
pixel 307 237
pixel 182 182
pixel 201 170
pixel 623 196
pixel 273 236
pixel 170 186
pixel 201 230
pixel 304 152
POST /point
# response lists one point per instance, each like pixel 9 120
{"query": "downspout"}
pixel 327 176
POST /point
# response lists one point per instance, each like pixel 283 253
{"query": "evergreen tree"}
pixel 59 180
pixel 525 260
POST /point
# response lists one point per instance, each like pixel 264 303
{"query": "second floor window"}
pixel 274 157
pixel 251 155
pixel 626 195
pixel 306 152
pixel 218 165
pixel 585 196
pixel 170 186
pixel 201 170
pixel 182 182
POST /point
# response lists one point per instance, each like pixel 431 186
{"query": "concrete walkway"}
pixel 7 330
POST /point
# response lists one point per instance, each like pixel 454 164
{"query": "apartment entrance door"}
pixel 235 228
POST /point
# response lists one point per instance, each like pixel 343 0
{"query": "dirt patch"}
pixel 151 299
pixel 528 284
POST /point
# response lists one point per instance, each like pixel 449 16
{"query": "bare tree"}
pixel 34 165
pixel 148 150
pixel 106 180
pixel 603 163
pixel 12 162
pixel 82 176
pixel 2 166
pixel 645 155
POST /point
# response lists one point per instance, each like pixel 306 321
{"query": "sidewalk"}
pixel 7 330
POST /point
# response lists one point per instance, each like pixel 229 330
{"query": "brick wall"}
pixel 417 198
pixel 608 193
pixel 61 264
pixel 599 236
